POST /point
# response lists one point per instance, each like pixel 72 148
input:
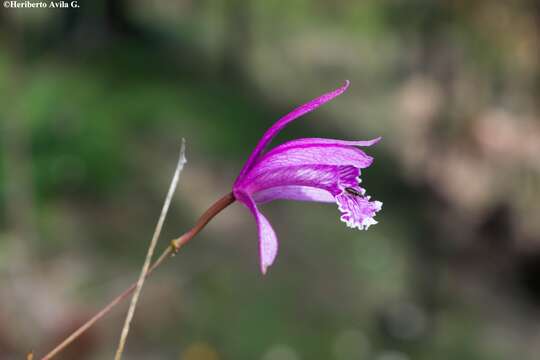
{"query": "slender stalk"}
pixel 176 244
pixel 104 311
pixel 150 252
pixel 203 220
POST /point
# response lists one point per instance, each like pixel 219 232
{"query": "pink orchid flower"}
pixel 311 169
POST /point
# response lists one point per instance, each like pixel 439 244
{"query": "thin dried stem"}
pixel 131 311
pixel 87 325
pixel 215 209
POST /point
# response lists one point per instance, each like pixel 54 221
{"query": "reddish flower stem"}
pixel 176 244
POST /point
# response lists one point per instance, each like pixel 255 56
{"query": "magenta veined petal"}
pixel 293 192
pixel 306 152
pixel 281 123
pixel 323 141
pixel 357 211
pixel 331 178
pixel 268 244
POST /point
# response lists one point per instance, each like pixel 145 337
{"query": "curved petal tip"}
pixel 340 90
pixel 374 141
pixel 268 243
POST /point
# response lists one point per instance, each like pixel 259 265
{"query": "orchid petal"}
pixel 331 178
pixel 358 211
pixel 268 244
pixel 323 141
pixel 307 152
pixel 281 123
pixel 293 192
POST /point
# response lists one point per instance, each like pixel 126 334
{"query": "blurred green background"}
pixel 94 102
